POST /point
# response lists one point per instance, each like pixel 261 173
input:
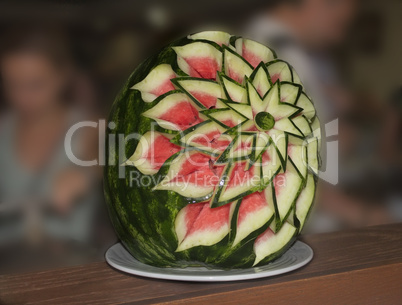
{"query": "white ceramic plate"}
pixel 296 257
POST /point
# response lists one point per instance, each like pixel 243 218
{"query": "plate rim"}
pixel 206 278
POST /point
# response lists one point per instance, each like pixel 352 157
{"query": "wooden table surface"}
pixel 361 266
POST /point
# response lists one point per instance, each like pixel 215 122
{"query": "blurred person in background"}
pixel 47 204
pixel 305 32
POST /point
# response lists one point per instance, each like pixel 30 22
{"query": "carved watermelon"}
pixel 222 149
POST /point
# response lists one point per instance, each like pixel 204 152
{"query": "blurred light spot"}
pixel 158 16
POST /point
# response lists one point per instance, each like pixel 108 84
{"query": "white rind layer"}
pixel 274 243
pixel 157 77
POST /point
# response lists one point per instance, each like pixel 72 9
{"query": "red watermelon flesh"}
pixel 153 150
pixel 251 128
pixel 239 175
pixel 275 77
pixel 193 73
pixel 264 237
pixel 198 170
pixel 251 57
pixel 203 177
pixel 254 212
pixel 266 158
pixel 204 67
pixel 235 76
pixel 184 115
pixel 252 203
pixel 212 140
pixel 192 212
pixel 194 162
pixel 211 219
pixel 230 123
pixel 260 91
pixel 161 149
pixel 164 87
pixel 208 100
pixel 244 145
pixel 198 222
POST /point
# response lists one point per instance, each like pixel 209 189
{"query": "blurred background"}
pixel 64 61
